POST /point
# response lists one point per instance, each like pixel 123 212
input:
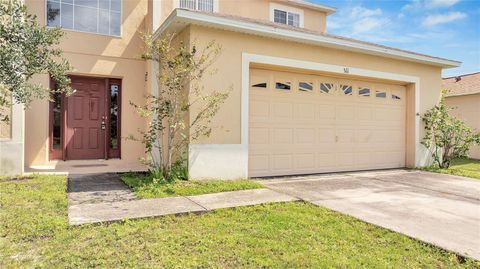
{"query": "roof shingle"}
pixel 462 85
pixel 308 31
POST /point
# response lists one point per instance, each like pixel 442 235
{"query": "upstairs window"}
pixel 92 16
pixel 286 17
pixel 201 5
pixel 280 16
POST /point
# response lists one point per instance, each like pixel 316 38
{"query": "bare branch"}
pixel 182 111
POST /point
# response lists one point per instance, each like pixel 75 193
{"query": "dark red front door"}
pixel 85 132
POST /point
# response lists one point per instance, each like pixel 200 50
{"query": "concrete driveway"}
pixel 439 209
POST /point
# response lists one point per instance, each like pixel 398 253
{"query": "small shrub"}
pixel 182 110
pixel 446 136
pixel 179 172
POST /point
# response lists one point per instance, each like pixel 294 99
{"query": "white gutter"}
pixel 184 17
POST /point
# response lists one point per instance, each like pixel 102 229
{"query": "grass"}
pixel 144 187
pixel 34 233
pixel 460 167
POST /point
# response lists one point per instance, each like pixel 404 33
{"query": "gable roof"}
pixel 180 18
pixel 462 85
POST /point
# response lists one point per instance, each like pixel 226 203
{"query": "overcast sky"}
pixel 443 28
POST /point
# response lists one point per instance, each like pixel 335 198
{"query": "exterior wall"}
pixel 11 147
pixel 166 7
pixel 255 9
pixel 315 20
pixel 181 38
pixel 467 108
pixel 98 56
pixel 228 122
pixel 5 126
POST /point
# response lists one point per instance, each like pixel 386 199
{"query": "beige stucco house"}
pixel 464 97
pixel 303 101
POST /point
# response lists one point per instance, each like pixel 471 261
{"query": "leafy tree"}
pixel 182 110
pixel 27 49
pixel 446 136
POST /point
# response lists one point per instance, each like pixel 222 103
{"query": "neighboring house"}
pixel 464 96
pixel 303 101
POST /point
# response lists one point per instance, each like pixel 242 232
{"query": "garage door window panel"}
pixel 305 86
pixel 283 85
pixel 326 87
pixel 381 94
pixel 259 82
pixel 346 89
pixel 364 91
pixel 262 85
pixel 396 95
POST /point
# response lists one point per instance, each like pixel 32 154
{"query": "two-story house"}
pixel 303 101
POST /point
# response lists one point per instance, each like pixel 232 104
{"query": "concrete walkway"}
pixel 103 197
pixel 443 210
pixel 97 188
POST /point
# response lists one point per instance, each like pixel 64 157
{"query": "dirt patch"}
pixel 12 179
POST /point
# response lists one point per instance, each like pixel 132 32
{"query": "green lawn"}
pixel 144 187
pixel 460 167
pixel 34 233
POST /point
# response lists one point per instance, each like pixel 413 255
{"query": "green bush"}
pixel 446 136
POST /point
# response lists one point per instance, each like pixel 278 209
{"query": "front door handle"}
pixel 103 124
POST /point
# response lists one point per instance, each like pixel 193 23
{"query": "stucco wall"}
pixel 100 56
pixel 11 148
pixel 5 125
pixel 255 9
pixel 229 71
pixel 227 123
pixel 467 108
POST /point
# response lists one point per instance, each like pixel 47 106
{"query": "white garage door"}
pixel 303 124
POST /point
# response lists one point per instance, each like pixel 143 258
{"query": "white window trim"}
pixel 86 32
pixel 287 9
pixel 176 4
